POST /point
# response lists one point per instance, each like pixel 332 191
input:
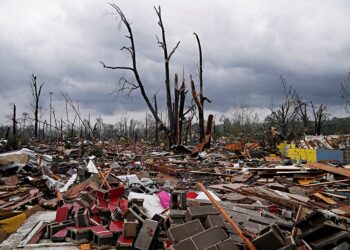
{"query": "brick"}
pixel 123 204
pixel 214 220
pixel 95 220
pixel 62 214
pixel 178 200
pixel 135 213
pixel 209 237
pixel 177 216
pixel 79 235
pixel 116 227
pixel 130 228
pixel 331 240
pixel 102 194
pixel 104 213
pixel 85 199
pixel 145 239
pixel 116 192
pixel 227 244
pixel 53 228
pixel 186 230
pixel 200 212
pixel 186 244
pixel 176 213
pixel 212 248
pixel 271 237
pixel 102 238
pixel 81 217
pixel 60 236
pixel 117 214
pixel 160 221
pixel 124 242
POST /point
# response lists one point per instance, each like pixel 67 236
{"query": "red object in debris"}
pixel 116 226
pixel 191 195
pixel 274 209
pixel 113 204
pixel 98 229
pixel 123 204
pixel 97 219
pixel 127 241
pixel 166 244
pixel 62 214
pixel 102 203
pixel 60 235
pixel 116 192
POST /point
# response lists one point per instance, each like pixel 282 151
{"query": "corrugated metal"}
pixel 327 154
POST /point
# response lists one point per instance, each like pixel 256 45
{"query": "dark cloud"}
pixel 246 46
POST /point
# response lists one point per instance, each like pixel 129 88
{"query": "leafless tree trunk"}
pixel 171 111
pixel 131 86
pixel 36 91
pixel 320 116
pixel 201 95
pixel 14 121
pixel 285 116
pixel 180 114
pixel 156 110
pixel 301 110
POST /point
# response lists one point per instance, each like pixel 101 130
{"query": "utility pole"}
pixel 50 114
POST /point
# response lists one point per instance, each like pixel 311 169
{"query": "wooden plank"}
pixel 324 167
pixel 324 198
pixel 334 195
pixel 326 183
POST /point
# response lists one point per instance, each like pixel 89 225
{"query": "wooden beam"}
pixel 325 167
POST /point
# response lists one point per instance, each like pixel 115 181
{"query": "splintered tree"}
pixel 36 91
pixel 199 101
pixel 167 56
pixel 175 109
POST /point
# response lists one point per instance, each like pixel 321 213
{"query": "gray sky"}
pixel 246 46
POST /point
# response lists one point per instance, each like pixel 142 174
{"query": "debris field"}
pixel 112 195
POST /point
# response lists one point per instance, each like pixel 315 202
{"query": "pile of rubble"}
pixel 106 195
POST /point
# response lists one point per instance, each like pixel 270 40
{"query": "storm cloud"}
pixel 246 46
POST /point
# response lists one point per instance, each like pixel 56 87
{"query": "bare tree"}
pixel 244 119
pixel 130 86
pixel 36 91
pixel 320 116
pixel 86 125
pixel 167 56
pixel 284 117
pixel 14 121
pixel 302 112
